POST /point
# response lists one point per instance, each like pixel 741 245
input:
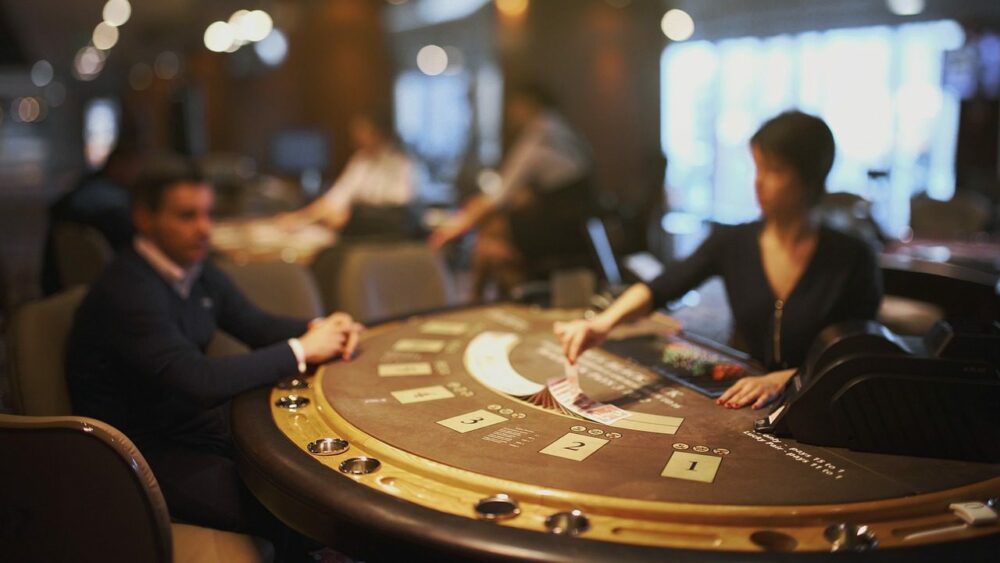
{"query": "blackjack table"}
pixel 464 435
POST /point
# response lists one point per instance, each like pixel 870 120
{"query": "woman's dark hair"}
pixel 160 173
pixel 802 141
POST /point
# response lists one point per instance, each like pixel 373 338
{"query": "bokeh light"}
pixel 432 60
pixel 512 8
pixel 26 110
pixel 239 23
pixel 117 12
pixel 489 181
pixel 105 36
pixel 677 25
pixel 219 37
pixel 255 26
pixel 273 48
pixel 88 63
pixel 905 7
pixel 42 73
pixel 167 65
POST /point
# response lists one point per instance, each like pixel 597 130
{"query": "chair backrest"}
pixel 960 217
pixel 959 292
pixel 37 345
pixel 76 489
pixel 81 252
pixel 379 281
pixel 277 287
pixel 852 214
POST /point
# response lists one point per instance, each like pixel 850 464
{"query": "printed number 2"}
pixel 575 447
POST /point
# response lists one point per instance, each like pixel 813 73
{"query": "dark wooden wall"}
pixel 338 65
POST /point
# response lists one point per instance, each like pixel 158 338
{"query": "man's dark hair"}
pixel 161 173
pixel 802 141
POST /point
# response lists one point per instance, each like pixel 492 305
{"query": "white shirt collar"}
pixel 181 279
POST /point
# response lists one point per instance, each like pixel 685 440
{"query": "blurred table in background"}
pixel 982 255
pixel 263 240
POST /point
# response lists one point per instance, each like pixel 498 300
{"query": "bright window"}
pixel 433 119
pixel 439 121
pixel 879 89
pixel 100 130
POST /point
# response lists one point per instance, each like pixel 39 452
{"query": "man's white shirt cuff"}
pixel 300 353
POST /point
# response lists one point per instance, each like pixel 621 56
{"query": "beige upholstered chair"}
pixel 374 281
pixel 81 252
pixel 276 287
pixel 37 344
pixel 918 293
pixel 76 489
pixel 962 216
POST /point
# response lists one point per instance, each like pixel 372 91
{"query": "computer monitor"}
pixel 641 266
pixel 299 150
pixel 602 248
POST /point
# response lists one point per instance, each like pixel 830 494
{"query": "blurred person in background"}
pixel 537 212
pixel 100 199
pixel 376 192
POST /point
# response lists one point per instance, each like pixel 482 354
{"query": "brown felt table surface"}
pixel 754 470
pixel 677 477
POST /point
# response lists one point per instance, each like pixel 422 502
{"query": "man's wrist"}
pixel 300 354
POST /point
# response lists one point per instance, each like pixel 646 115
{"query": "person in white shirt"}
pixel 538 208
pixel 378 176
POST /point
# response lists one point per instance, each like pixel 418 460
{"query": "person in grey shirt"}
pixel 538 208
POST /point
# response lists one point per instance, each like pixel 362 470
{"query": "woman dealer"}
pixel 787 276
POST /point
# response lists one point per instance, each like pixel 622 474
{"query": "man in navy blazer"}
pixel 136 353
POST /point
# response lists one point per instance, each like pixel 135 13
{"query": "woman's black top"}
pixel 841 282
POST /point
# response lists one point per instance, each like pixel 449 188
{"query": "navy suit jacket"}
pixel 136 353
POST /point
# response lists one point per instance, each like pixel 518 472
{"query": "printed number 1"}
pixel 473 421
pixel 693 464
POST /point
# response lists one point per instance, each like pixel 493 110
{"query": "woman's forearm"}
pixel 636 302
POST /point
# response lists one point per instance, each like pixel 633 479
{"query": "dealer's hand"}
pixel 579 336
pixel 756 391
